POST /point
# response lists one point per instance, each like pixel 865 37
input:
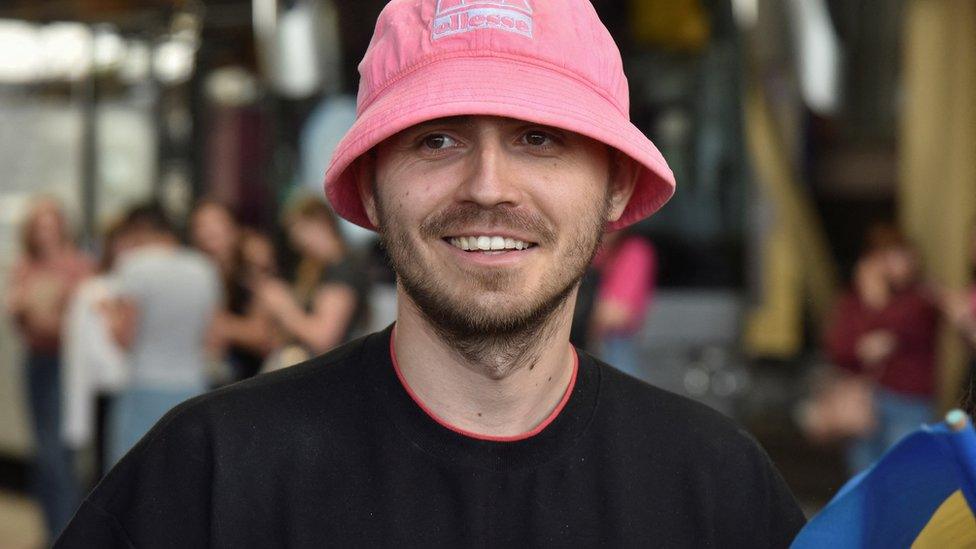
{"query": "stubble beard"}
pixel 499 342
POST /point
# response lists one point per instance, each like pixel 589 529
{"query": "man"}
pixel 491 151
pixel 167 297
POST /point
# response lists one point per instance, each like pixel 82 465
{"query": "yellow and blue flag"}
pixel 920 494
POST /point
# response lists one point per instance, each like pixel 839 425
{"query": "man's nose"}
pixel 490 179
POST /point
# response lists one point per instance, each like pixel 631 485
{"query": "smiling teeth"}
pixel 488 243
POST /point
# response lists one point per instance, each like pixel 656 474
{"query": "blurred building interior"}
pixel 791 126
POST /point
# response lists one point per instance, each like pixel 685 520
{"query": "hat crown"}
pixel 561 35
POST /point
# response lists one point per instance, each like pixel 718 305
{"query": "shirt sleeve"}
pixel 94 527
pixel 751 481
pixel 125 281
pixel 628 278
pixel 842 333
pixel 158 495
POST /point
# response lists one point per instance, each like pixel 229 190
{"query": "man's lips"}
pixel 488 258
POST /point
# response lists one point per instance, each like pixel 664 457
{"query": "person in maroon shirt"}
pixel 884 329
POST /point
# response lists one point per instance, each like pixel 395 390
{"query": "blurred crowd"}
pixel 113 342
pixel 162 313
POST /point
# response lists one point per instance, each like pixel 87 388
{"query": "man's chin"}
pixel 475 312
pixel 487 315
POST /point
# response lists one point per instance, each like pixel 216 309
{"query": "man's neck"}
pixel 468 396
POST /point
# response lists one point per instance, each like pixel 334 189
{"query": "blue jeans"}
pixel 133 413
pixel 620 351
pixel 897 415
pixel 54 482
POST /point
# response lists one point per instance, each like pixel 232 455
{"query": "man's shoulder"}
pixel 709 452
pixel 246 427
pixel 658 414
pixel 286 395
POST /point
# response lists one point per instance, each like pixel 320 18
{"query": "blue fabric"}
pixel 898 415
pixel 889 504
pixel 620 351
pixel 54 482
pixel 135 411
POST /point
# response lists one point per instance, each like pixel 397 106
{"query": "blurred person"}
pixel 167 296
pixel 491 153
pixel 94 363
pixel 960 306
pixel 41 286
pixel 627 267
pixel 241 326
pixel 326 301
pixel 883 331
pixel 215 232
pixel 960 311
pixel 257 257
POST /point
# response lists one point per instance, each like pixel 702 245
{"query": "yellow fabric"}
pixel 952 526
pixel 774 329
pixel 937 186
pixel 798 268
pixel 671 24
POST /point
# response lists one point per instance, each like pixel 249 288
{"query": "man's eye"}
pixel 436 142
pixel 537 139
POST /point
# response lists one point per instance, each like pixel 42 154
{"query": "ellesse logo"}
pixel 460 16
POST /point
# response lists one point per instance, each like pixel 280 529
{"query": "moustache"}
pixel 462 216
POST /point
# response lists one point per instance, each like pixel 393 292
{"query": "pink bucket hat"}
pixel 549 62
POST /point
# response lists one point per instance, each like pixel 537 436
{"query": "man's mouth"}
pixel 488 243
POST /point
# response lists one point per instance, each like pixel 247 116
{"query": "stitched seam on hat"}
pixel 491 54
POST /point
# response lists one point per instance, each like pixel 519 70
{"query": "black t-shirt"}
pixel 334 452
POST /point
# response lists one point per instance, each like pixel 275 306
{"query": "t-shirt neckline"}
pixel 552 438
pixel 479 436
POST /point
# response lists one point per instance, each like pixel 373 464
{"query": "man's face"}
pixel 490 222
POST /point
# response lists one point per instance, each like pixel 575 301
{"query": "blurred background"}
pixel 810 277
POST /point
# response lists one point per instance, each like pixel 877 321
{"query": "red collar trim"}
pixel 513 438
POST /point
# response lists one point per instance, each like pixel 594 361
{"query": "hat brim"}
pixel 497 86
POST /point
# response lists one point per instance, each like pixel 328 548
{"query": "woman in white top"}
pixel 94 363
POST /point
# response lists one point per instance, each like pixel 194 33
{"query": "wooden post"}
pixel 937 187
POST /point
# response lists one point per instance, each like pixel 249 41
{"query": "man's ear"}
pixel 366 181
pixel 623 178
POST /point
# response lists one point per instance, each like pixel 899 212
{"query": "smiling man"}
pixel 492 150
